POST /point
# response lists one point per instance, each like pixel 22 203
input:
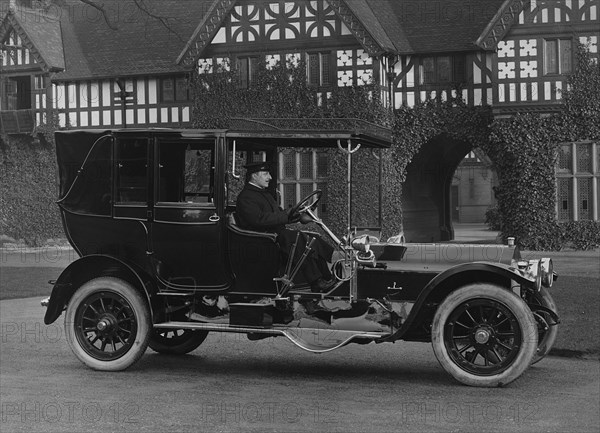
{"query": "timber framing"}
pixel 221 8
pixel 499 26
pixel 356 27
pixel 204 33
pixel 11 24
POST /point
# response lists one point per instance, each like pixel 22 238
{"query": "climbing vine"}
pixel 413 127
pixel 524 149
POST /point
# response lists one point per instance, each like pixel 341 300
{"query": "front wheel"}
pixel 176 341
pixel 107 324
pixel 484 335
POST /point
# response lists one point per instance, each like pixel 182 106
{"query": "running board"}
pixel 310 339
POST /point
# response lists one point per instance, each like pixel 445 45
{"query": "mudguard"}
pixel 82 270
pixel 458 276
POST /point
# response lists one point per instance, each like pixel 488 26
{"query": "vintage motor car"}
pixel 151 214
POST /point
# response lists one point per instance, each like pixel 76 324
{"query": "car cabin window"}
pixel 131 171
pixel 186 173
pixel 91 191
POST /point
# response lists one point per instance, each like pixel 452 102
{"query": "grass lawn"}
pixel 576 293
pixel 26 282
pixel 578 303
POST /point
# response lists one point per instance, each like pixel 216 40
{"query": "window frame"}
pixel 324 78
pixel 561 55
pixel 175 94
pixel 247 69
pixel 40 82
pixel 457 69
pixel 575 179
pixel 118 186
pixel 315 180
pixel 197 146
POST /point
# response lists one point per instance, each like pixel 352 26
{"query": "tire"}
pixel 484 335
pixel 107 324
pixel 176 341
pixel 547 331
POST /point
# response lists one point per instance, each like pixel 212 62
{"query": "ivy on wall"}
pixel 413 127
pixel 28 175
pixel 524 149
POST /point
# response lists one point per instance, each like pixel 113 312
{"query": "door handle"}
pixel 214 218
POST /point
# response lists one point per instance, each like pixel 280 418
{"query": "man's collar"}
pixel 255 185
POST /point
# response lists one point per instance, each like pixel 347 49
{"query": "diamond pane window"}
pixel 305 189
pixel 444 69
pixel 565 158
pixel 584 202
pixel 564 199
pixel 258 156
pixel 300 171
pixel 325 70
pixel 565 57
pixel 306 165
pixel 584 158
pixel 551 52
pixel 558 54
pixel 289 195
pixel 289 166
pixel 428 70
pixel 313 69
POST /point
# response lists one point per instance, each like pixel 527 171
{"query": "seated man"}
pixel 256 209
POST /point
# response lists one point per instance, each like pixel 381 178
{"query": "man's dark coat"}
pixel 257 210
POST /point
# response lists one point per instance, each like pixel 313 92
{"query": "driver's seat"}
pixel 254 258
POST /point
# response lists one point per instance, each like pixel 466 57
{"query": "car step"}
pixel 310 339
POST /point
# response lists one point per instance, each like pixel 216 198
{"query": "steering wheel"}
pixel 308 202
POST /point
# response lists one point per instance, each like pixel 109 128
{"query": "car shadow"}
pixel 358 367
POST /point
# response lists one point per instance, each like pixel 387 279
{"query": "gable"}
pixel 250 25
pixel 25 31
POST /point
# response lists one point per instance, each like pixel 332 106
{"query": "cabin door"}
pixel 187 230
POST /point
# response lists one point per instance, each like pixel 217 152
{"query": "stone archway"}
pixel 427 214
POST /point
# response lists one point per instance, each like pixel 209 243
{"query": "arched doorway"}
pixel 429 201
pixel 472 189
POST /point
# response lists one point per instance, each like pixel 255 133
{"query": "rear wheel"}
pixel 107 324
pixel 484 335
pixel 176 341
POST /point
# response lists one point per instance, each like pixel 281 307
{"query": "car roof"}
pixel 321 132
pixel 313 133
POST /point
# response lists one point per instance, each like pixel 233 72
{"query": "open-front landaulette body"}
pixel 163 261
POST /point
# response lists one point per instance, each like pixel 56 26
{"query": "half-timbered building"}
pixel 124 66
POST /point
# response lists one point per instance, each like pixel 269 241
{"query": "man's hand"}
pixel 305 218
pixel 293 218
